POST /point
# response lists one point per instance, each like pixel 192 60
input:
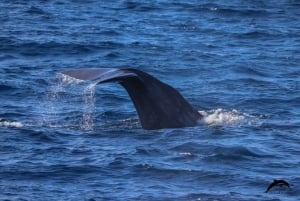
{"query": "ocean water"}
pixel 237 62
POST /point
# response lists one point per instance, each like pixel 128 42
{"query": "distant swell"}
pixel 28 48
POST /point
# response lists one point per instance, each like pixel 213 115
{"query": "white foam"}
pixel 11 124
pixel 66 79
pixel 221 117
pixel 186 154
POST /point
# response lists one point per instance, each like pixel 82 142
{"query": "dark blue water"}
pixel 235 61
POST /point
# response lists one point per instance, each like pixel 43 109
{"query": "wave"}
pixel 140 6
pixel 6 57
pixel 33 10
pixel 4 87
pixel 32 48
pixel 258 35
pixel 225 10
pixel 253 71
pixel 45 170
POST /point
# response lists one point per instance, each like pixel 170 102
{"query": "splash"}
pixel 88 107
pixel 222 117
pixel 68 103
pixel 53 98
pixel 11 124
pixel 67 80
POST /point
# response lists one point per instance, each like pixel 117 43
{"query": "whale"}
pixel 158 104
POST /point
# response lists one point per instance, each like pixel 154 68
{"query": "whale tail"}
pixel 158 105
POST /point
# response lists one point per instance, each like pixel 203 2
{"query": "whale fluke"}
pixel 158 104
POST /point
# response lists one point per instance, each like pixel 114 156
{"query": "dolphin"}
pixel 276 182
pixel 158 104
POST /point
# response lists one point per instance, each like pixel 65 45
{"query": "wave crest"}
pixel 11 124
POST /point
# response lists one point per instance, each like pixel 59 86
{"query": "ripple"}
pixel 252 71
pixel 237 153
pixel 140 7
pixel 4 87
pixel 36 10
pixel 28 48
pixel 258 35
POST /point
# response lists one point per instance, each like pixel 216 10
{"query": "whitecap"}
pixel 221 117
pixel 11 124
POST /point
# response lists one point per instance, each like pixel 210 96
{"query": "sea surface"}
pixel 237 62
